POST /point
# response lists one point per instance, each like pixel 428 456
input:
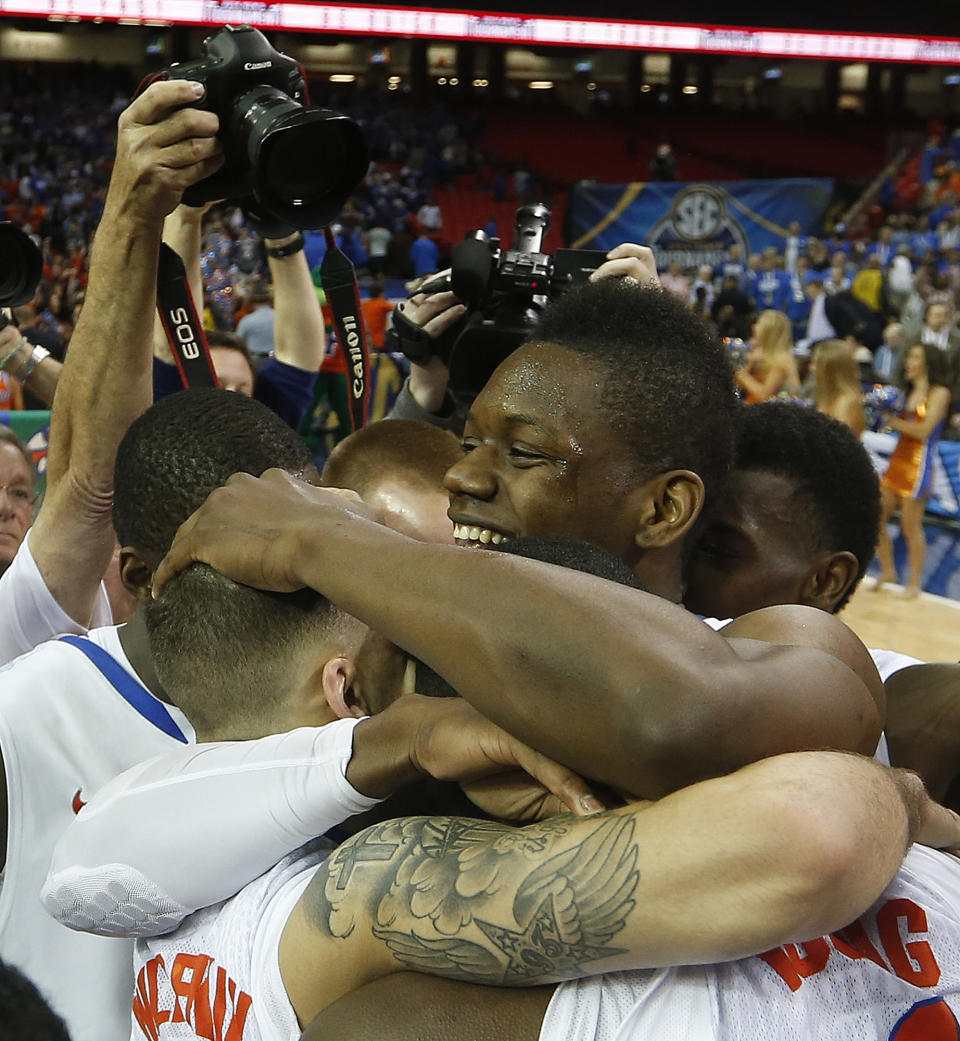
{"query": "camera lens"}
pixel 305 162
pixel 21 265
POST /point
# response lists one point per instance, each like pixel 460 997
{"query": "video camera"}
pixel 505 291
pixel 290 166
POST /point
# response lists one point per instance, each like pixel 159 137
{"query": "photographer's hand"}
pixel 434 313
pixel 629 260
pixel 162 149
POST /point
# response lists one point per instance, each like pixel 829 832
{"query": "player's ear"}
pixel 341 690
pixel 830 580
pixel 668 506
pixel 135 573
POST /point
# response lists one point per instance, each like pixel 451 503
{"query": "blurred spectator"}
pixel 798 306
pixel 851 317
pixel 256 328
pixel 888 357
pixel 378 244
pixel 900 279
pixel 701 292
pixel 868 284
pixel 424 255
pixel 429 216
pixel 794 246
pixel 837 278
pixel 674 281
pixel 732 310
pixel 731 266
pixel 883 249
pixel 773 284
pixel 837 390
pixel 663 165
pixel 750 277
pixel 11 393
pixel 376 312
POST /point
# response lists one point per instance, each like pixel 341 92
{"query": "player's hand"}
pixel 629 260
pixel 931 823
pixel 501 774
pixel 162 149
pixel 249 529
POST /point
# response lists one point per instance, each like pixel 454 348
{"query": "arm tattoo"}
pixel 483 902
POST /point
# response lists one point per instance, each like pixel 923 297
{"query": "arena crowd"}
pixel 528 712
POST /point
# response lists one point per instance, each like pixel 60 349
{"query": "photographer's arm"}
pixel 106 379
pixel 670 701
pixel 425 393
pixel 31 366
pixel 298 331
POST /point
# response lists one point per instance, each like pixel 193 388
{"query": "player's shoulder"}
pixel 794 625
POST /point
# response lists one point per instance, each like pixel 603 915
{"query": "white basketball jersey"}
pixel 218 974
pixel 72 717
pixel 893 975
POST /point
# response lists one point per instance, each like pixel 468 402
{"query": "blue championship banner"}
pixel 697 223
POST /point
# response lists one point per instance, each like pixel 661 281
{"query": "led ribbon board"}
pixel 502 28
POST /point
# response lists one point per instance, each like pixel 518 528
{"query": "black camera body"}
pixel 506 290
pixel 284 160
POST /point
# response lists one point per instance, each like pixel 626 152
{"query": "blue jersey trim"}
pixel 135 694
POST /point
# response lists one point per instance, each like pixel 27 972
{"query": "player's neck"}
pixel 136 646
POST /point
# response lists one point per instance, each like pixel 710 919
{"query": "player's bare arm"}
pixel 791 847
pixel 670 702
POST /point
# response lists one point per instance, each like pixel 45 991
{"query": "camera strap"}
pixel 339 281
pixel 181 323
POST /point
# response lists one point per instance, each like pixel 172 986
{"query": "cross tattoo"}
pixel 347 859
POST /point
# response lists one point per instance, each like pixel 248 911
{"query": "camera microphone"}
pixel 471 266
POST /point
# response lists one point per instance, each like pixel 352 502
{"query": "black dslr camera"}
pixel 21 265
pixel 288 164
pixel 505 289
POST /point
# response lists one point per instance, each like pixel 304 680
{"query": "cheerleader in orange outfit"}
pixel 770 366
pixel 907 480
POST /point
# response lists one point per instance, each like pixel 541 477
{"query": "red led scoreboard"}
pixel 501 28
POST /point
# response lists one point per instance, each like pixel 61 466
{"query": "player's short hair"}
pixel 409 450
pixel 837 499
pixel 223 650
pixel 668 391
pixel 24 1013
pixel 10 437
pixel 178 451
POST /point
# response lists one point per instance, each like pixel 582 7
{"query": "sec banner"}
pixel 696 223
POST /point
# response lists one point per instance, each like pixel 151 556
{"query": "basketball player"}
pixel 77 712
pixel 591 438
